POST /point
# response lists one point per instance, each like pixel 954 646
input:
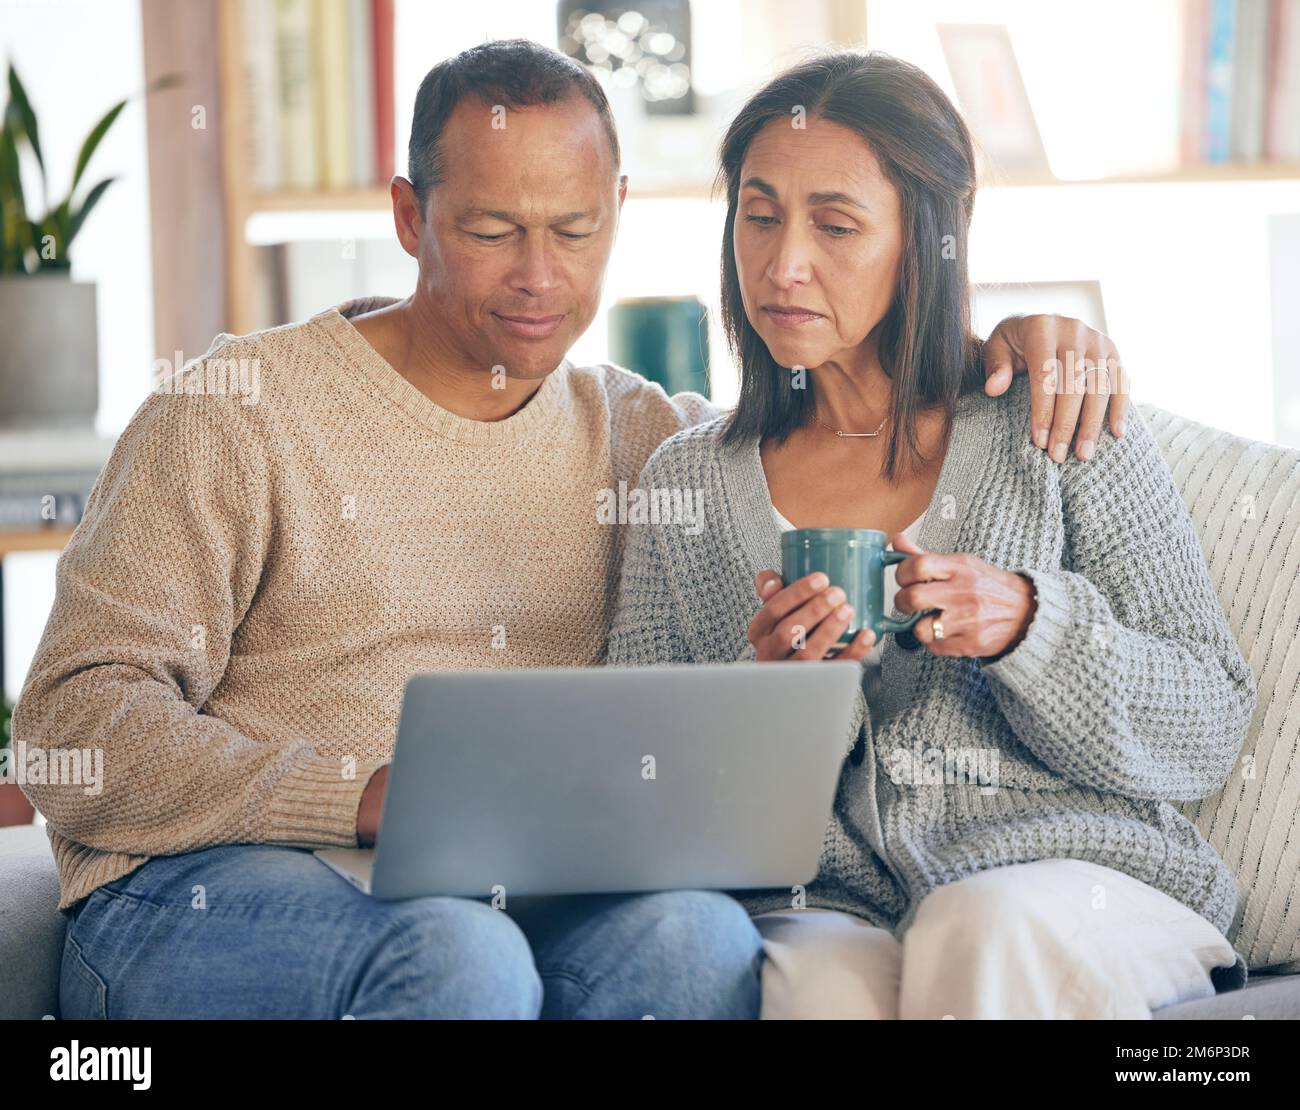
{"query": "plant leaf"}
pixel 63 220
pixel 22 108
pixel 79 217
pixel 165 81
pixel 92 141
pixel 7 264
pixel 17 231
pixel 11 179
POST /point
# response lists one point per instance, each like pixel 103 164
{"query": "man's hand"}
pixel 371 808
pixel 1074 374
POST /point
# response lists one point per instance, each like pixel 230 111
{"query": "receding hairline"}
pixel 514 73
pixel 598 138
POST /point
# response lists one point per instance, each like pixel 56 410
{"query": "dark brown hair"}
pixel 513 72
pixel 926 344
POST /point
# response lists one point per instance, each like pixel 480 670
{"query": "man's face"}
pixel 515 239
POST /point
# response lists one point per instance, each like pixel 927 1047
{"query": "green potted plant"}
pixel 15 809
pixel 49 365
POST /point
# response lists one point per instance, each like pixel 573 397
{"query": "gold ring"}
pixel 938 628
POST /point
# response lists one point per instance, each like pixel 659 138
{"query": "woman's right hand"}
pixel 804 620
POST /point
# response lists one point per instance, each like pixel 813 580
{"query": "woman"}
pixel 1073 640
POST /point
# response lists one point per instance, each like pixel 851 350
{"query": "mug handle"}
pixel 888 624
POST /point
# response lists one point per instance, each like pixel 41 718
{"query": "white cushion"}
pixel 1244 497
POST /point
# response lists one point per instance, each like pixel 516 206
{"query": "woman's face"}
pixel 818 238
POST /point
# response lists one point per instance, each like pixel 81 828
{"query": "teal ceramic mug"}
pixel 853 559
pixel 664 338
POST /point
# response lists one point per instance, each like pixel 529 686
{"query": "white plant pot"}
pixel 49 352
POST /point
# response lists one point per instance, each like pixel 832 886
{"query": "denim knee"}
pixel 449 958
pixel 709 941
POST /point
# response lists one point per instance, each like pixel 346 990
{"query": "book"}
pixel 1192 102
pixel 295 66
pixel 1282 116
pixel 361 76
pixel 382 25
pixel 1218 80
pixel 1249 57
pixel 261 85
pixel 333 84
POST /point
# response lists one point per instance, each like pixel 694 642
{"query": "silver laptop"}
pixel 603 779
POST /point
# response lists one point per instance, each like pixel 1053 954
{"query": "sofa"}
pixel 1245 499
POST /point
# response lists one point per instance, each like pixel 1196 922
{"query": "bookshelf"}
pixel 240 200
pixel 367 200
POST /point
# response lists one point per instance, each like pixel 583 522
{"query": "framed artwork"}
pixel 992 95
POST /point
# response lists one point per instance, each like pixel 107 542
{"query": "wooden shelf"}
pixel 376 198
pixel 33 539
pixel 1210 174
pixel 342 200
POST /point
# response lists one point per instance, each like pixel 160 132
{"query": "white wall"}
pixel 1184 274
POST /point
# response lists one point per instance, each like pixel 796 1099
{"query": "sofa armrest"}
pixel 31 924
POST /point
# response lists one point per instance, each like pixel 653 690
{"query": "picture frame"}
pixel 993 97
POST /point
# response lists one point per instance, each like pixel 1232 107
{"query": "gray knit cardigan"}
pixel 1127 692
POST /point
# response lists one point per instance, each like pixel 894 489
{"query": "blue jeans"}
pixel 260 931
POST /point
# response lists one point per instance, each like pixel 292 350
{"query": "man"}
pixel 414 489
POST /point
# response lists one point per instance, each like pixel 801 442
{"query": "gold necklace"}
pixel 852 435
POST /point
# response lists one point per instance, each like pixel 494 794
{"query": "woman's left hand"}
pixel 984 610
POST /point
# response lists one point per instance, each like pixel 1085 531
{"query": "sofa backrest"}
pixel 1244 498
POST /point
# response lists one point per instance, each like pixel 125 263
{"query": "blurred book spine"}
pixel 262 83
pixel 297 101
pixel 385 123
pixel 1240 81
pixel 1195 57
pixel 1282 108
pixel 333 85
pixel 361 76
pixel 1218 79
pixel 1249 58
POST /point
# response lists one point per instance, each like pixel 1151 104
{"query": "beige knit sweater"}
pixel 269 554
